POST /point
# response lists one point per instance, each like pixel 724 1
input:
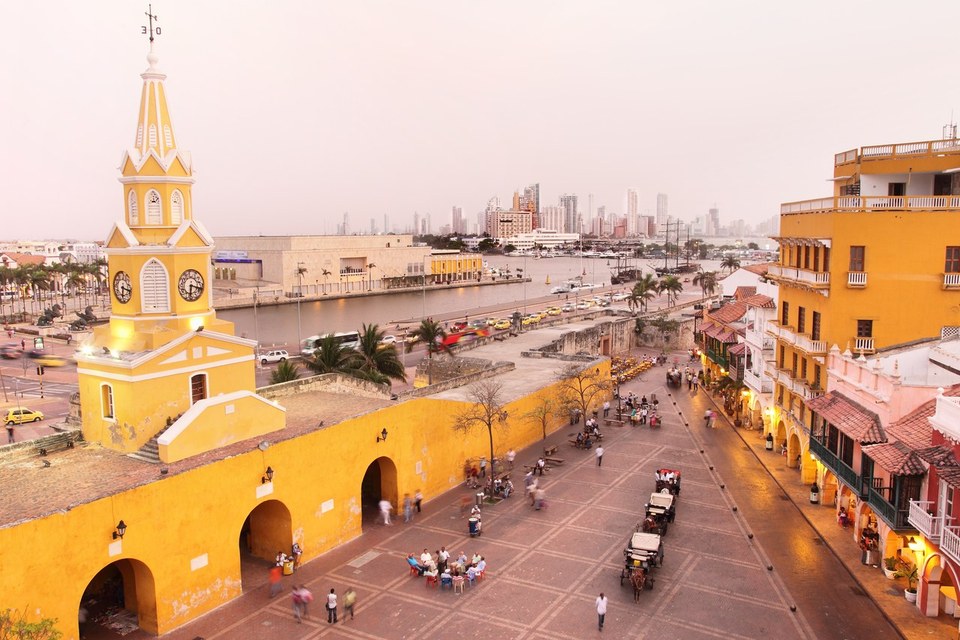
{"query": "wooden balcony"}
pixel 896 519
pixel 856 279
pixel 929 525
pixel 849 477
pixel 814 279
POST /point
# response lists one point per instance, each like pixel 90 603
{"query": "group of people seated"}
pixel 589 435
pixel 503 486
pixel 441 566
pixel 665 475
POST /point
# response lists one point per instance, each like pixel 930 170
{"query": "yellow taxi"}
pixel 22 415
pixel 501 324
pixel 50 361
pixel 554 311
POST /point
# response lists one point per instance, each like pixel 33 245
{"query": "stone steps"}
pixel 150 452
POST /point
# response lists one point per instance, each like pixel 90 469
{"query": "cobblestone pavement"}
pixel 547 567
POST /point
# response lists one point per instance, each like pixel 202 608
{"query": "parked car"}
pixel 554 311
pixel 22 415
pixel 567 308
pixel 459 325
pixel 277 355
pixel 50 360
pixel 502 324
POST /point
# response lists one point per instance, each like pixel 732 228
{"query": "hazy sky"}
pixel 296 112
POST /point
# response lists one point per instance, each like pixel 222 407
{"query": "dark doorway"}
pixel 379 483
pixel 267 530
pixel 118 600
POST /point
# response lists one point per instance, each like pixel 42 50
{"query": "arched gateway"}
pixel 379 483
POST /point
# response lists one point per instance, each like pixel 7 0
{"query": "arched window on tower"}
pixel 176 208
pixel 153 135
pixel 139 135
pixel 168 136
pixel 154 287
pixel 134 208
pixel 106 401
pixel 198 388
pixel 154 209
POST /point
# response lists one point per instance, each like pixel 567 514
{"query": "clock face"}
pixel 122 288
pixel 190 285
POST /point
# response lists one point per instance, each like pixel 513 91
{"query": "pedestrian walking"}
pixel 417 500
pixel 9 432
pixel 276 575
pixel 511 456
pixel 606 408
pixel 541 464
pixel 407 508
pixel 297 602
pixel 483 467
pixel 601 608
pixel 539 498
pixel 706 418
pixel 295 552
pixel 349 600
pixel 385 508
pixel 332 606
pixel 599 455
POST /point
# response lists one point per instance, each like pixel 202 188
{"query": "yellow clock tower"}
pixel 165 363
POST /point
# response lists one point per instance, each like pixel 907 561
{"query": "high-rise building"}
pixel 551 218
pixel 633 210
pixel 416 224
pixel 457 222
pixel 713 221
pixel 662 213
pixel 530 201
pixel 373 226
pixel 503 224
pixel 570 221
pixel 386 223
pixel 345 225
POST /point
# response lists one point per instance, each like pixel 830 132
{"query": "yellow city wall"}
pixel 180 517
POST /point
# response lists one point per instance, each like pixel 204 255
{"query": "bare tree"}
pixel 546 407
pixel 581 386
pixel 487 409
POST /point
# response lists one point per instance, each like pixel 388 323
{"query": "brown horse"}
pixel 652 525
pixel 638 578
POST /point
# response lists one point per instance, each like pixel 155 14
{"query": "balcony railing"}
pixel 830 460
pixel 718 359
pixel 896 519
pixel 868 204
pixel 812 347
pixel 863 345
pixel 951 281
pixel 760 384
pixel 806 276
pixel 929 525
pixel 857 279
pixel 950 543
pixel 759 339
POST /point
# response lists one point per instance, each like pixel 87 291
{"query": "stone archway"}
pixel 379 483
pixel 830 491
pixel 780 437
pixel 265 531
pixel 123 594
pixel 937 571
pixel 793 451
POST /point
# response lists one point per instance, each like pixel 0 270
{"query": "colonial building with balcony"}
pixel 847 260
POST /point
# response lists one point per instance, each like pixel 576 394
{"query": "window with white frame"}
pixel 198 388
pixel 154 287
pixel 154 208
pixel 153 135
pixel 176 207
pixel 134 208
pixel 167 136
pixel 106 401
pixel 139 136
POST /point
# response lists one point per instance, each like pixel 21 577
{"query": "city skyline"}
pixel 296 101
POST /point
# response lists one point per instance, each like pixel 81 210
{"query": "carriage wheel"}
pixel 665 490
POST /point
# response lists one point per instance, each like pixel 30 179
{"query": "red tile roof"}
pixel 914 428
pixel 759 269
pixel 849 417
pixel 730 312
pixel 896 457
pixel 727 336
pixel 760 300
pixel 737 349
pixel 23 258
pixel 742 293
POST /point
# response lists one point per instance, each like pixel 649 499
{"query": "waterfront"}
pixel 288 324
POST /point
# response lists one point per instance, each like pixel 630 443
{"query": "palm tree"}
pixel 648 287
pixel 672 286
pixel 639 296
pixel 370 276
pixel 39 280
pixel 101 276
pixel 6 278
pixel 332 357
pixel 21 276
pixel 378 362
pixel 431 333
pixel 285 372
pixel 730 262
pixel 707 281
pixel 325 274
pixel 301 271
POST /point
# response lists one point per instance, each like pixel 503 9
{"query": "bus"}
pixel 346 339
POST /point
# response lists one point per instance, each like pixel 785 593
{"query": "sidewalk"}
pixel 887 594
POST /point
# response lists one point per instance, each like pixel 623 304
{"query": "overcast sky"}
pixel 296 112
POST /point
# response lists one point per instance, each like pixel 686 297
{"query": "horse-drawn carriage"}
pixel 674 378
pixel 643 553
pixel 660 512
pixel 668 481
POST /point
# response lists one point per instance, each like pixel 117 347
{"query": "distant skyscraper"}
pixel 386 224
pixel 662 214
pixel 416 223
pixel 713 221
pixel 427 224
pixel 373 226
pixel 633 212
pixel 569 205
pixel 457 221
pixel 345 228
pixel 530 201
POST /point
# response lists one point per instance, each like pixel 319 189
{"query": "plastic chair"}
pixel 481 575
pixel 458 583
pixel 413 570
pixel 446 582
pixel 432 580
pixel 470 580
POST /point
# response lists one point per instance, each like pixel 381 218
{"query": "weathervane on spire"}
pixel 151 18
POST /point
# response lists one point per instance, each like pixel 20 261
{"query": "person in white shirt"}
pixel 425 558
pixel 601 608
pixel 599 456
pixel 332 606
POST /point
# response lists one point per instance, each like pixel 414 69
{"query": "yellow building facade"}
pixel 875 265
pixel 239 476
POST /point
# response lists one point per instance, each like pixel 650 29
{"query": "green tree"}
pixel 431 334
pixel 642 293
pixel 665 326
pixel 753 245
pixel 331 357
pixel 509 248
pixel 326 274
pixel 485 245
pixel 671 286
pixel 707 280
pixel 378 362
pixel 285 372
pixel 14 626
pixel 487 409
pixel 730 262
